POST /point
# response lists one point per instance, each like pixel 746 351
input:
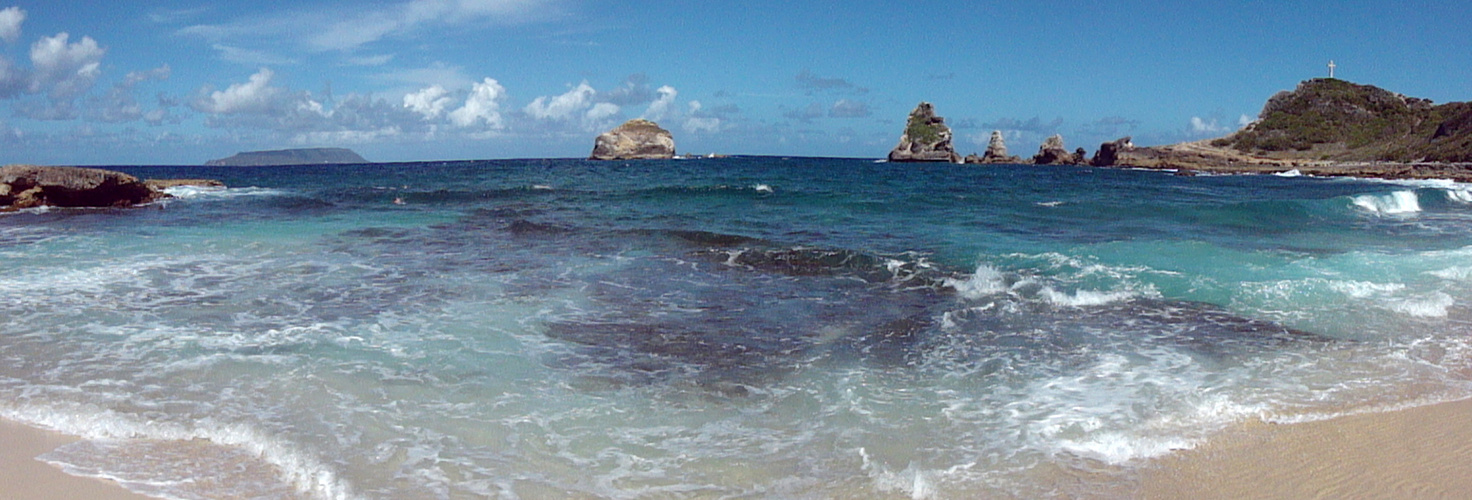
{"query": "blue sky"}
pixel 181 82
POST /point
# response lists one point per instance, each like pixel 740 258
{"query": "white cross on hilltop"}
pixel 1331 68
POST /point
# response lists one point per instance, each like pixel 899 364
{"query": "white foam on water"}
pixel 762 188
pixel 987 280
pixel 1364 289
pixel 1083 298
pixel 1290 173
pixel 1432 306
pixel 299 468
pixel 1396 203
pixel 212 192
pixel 1454 273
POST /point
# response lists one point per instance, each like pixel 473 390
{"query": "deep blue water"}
pixel 740 327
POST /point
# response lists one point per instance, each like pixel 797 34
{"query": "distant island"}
pixel 308 156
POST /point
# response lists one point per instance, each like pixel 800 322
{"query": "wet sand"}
pixel 22 477
pixel 1423 452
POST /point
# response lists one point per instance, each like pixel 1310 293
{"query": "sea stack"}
pixel 996 152
pixel 30 186
pixel 636 139
pixel 926 138
pixel 1052 152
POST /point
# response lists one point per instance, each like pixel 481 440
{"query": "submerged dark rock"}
pixel 926 138
pixel 636 139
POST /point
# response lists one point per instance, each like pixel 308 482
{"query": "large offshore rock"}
pixel 1052 152
pixel 636 139
pixel 926 138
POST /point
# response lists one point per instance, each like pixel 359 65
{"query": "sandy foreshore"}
pixel 1423 452
pixel 22 477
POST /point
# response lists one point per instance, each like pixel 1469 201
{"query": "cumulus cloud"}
pixel 601 112
pixel 661 106
pixel 120 103
pixel 12 79
pixel 845 108
pixel 65 70
pixel 697 121
pixel 563 106
pixel 635 90
pixel 429 102
pixel 1201 126
pixel 10 20
pixel 483 106
pixel 254 96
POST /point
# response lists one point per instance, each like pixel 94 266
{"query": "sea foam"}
pixel 1396 203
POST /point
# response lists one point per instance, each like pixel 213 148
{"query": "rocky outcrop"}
pixel 926 138
pixel 29 186
pixel 1052 152
pixel 636 139
pixel 307 156
pixel 1109 152
pixel 996 152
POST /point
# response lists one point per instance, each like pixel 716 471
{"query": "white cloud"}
pixel 1244 120
pixel 255 95
pixel 251 57
pixel 563 106
pixel 10 20
pixel 1205 127
pixel 429 102
pixel 484 104
pixel 601 112
pixel 65 70
pixel 346 136
pixel 352 25
pixel 378 60
pixel 699 123
pixel 661 106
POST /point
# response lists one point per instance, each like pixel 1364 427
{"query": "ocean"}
pixel 746 327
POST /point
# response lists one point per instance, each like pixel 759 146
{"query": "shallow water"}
pixel 742 327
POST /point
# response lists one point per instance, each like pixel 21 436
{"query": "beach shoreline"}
pixel 1418 452
pixel 23 477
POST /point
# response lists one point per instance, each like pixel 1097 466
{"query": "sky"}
pixel 175 82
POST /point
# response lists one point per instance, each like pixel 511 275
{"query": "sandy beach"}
pixel 1423 452
pixel 22 477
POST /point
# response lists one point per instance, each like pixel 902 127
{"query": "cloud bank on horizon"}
pixel 446 79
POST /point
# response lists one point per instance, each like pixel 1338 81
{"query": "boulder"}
pixel 926 138
pixel 27 186
pixel 636 139
pixel 1052 152
pixel 1109 152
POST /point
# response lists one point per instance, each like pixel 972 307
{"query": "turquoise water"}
pixel 743 327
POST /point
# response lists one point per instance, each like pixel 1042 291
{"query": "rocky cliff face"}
pixel 308 156
pixel 1109 152
pixel 1052 152
pixel 636 139
pixel 926 138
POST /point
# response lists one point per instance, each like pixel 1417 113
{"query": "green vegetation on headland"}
pixel 1331 119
